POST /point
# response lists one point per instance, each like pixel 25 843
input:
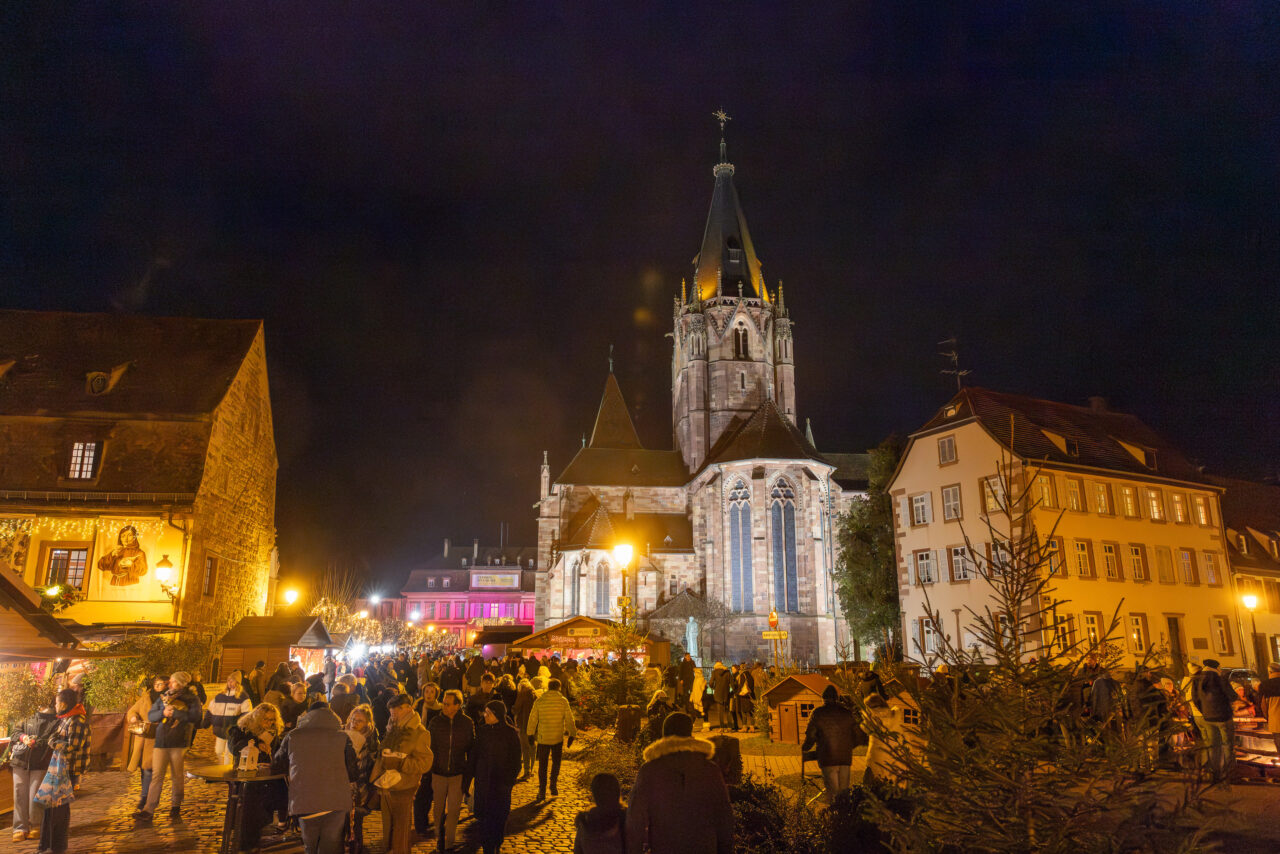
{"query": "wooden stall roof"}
pixel 306 632
pixel 542 639
pixel 501 634
pixel 814 682
pixel 27 631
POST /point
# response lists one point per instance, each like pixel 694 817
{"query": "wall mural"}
pixel 126 563
pixel 15 544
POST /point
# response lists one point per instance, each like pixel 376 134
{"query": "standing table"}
pixel 236 781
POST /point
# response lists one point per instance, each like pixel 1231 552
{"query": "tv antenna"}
pixel 952 354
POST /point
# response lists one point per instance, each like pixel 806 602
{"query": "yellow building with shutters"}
pixel 1132 528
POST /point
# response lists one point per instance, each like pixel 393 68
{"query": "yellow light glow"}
pixel 431 628
pixel 164 570
pixel 364 615
pixel 290 596
pixel 622 553
pixel 409 623
pixel 1250 601
pixel 52 591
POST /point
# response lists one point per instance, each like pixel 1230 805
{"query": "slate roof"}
pixel 682 606
pixel 617 467
pixel 278 630
pixel 766 435
pixel 482 556
pixel 595 527
pixel 727 230
pixel 614 427
pixel 852 470
pixel 176 366
pixel 1019 423
pixel 1248 504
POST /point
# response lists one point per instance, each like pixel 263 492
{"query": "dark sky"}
pixel 446 213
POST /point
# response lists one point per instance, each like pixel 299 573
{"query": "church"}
pixel 740 513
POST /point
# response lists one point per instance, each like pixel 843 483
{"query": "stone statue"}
pixel 691 639
pixel 126 563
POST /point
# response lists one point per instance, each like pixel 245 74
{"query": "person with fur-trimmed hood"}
pixel 678 780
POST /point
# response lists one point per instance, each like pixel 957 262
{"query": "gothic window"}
pixel 783 510
pixel 740 547
pixel 602 588
pixel 740 342
pixel 572 588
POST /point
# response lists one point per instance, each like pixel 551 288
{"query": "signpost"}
pixel 774 636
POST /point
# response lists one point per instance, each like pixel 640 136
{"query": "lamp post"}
pixel 622 553
pixel 1251 603
pixel 290 596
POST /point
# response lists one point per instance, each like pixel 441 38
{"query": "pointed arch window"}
pixel 742 594
pixel 782 501
pixel 602 588
pixel 573 589
pixel 740 341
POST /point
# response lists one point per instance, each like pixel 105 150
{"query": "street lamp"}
pixel 364 614
pixel 290 596
pixel 622 553
pixel 164 575
pixel 375 599
pixel 1251 602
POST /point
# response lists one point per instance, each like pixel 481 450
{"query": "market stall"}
pixel 273 640
pixel 580 637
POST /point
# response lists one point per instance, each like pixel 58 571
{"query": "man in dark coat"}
pixel 679 803
pixel 1212 695
pixel 831 729
pixel 686 680
pixel 450 677
pixel 722 686
pixel 321 763
pixel 497 761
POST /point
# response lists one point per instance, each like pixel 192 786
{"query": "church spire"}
pixel 614 427
pixel 727 251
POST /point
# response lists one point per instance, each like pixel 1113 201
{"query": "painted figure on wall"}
pixel 126 563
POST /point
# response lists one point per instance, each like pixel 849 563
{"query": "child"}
pixel 601 829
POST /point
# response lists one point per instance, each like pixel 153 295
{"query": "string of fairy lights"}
pixel 76 528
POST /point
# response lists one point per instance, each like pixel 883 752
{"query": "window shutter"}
pixel 916 649
pixel 904 512
pixel 937 565
pixel 951 564
pixel 928 507
pixel 911 570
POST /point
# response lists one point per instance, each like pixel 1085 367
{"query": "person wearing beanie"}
pixel 497 761
pixel 832 730
pixel 224 711
pixel 175 713
pixel 1212 695
pixel 677 781
pixel 602 829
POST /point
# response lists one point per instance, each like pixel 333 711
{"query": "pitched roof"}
pixel 30 633
pixel 1248 504
pixel 809 681
pixel 1092 437
pixel 766 435
pixel 727 253
pixel 682 606
pixel 304 631
pixel 179 366
pixel 614 428
pixel 461 555
pixel 460 580
pixel 593 526
pixel 625 467
pixel 852 470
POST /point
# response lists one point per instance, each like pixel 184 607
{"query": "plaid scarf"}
pixel 72 738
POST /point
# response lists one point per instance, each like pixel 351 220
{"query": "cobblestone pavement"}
pixel 102 823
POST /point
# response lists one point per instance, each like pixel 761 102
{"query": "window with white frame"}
pixel 1201 505
pixel 961 564
pixel 1187 566
pixel 1093 628
pixel 1044 491
pixel 1139 640
pixel 1084 559
pixel 992 495
pixel 1179 503
pixel 1102 499
pixel 1129 501
pixel 445 582
pixel 431 582
pixel 1110 560
pixel 928 636
pixel 951 502
pixel 1063 632
pixel 1001 558
pixel 1222 634
pixel 946 450
pixel 1210 568
pixel 1138 563
pixel 921 509
pixel 926 572
pixel 1075 494
pixel 84 460
pixel 1053 555
pixel 1155 505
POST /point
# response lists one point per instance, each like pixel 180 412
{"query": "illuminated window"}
pixel 783 512
pixel 961 565
pixel 1044 491
pixel 1138 563
pixel 84 460
pixel 946 450
pixel 1179 502
pixel 1093 627
pixel 1075 494
pixel 66 566
pixel 992 495
pixel 1084 559
pixel 926 572
pixel 446 582
pixel 1187 565
pixel 1110 560
pixel 1129 501
pixel 1155 505
pixel 431 582
pixel 951 502
pixel 1138 637
pixel 921 509
pixel 740 574
pixel 210 582
pixel 1102 498
pixel 1210 568
pixel 1201 504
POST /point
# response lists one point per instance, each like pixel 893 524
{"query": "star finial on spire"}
pixel 721 116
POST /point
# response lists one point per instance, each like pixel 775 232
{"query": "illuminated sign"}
pixel 584 632
pixel 495 581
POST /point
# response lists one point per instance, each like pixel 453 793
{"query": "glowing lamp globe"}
pixel 1250 601
pixel 290 596
pixel 375 599
pixel 52 591
pixel 622 553
pixel 414 616
pixel 364 614
pixel 164 570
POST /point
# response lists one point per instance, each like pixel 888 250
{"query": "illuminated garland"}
pixel 76 528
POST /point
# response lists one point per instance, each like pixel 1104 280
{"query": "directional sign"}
pixel 775 635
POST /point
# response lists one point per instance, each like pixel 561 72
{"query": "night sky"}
pixel 446 213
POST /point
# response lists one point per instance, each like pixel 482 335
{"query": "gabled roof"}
pixel 594 527
pixel 727 256
pixel 157 366
pixel 1039 429
pixel 809 681
pixel 304 631
pixel 766 435
pixel 1248 504
pixel 621 467
pixel 614 428
pixel 481 555
pixel 682 606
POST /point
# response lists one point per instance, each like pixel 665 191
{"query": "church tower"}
pixel 732 338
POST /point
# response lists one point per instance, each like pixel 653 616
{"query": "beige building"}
pixel 1251 513
pixel 1130 525
pixel 138 468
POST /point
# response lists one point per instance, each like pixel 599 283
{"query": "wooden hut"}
pixel 273 640
pixel 791 702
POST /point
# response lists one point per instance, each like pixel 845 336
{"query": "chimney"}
pixel 446 546
pixel 1098 403
pixel 475 548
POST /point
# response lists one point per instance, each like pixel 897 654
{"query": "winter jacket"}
pixel 238 739
pixel 450 679
pixel 497 757
pixel 35 756
pixel 225 710
pixel 312 754
pixel 600 830
pixel 686 674
pixel 1212 695
pixel 140 746
pixel 551 719
pixel 722 683
pixel 831 728
pixel 679 803
pixel 475 670
pixel 177 730
pixel 452 740
pixel 521 708
pixel 343 704
pixel 1269 702
pixel 410 738
pixel 475 706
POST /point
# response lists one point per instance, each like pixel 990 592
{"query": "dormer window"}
pixel 84 460
pixel 431 582
pixel 1243 542
pixel 1149 458
pixel 1073 448
pixel 446 582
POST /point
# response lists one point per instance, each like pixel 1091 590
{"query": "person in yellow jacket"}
pixel 406 750
pixel 550 723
